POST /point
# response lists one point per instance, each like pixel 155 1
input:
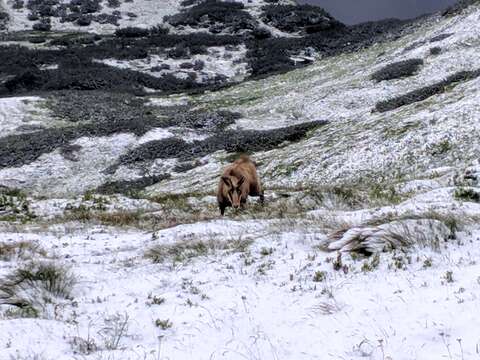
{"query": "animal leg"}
pixel 222 209
pixel 257 190
pixel 262 198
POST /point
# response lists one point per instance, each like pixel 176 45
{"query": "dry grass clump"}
pixel 34 286
pixel 114 218
pixel 24 250
pixel 14 206
pixel 397 234
pixel 185 250
pixel 466 194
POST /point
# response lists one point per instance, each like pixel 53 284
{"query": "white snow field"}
pixel 159 275
pixel 148 13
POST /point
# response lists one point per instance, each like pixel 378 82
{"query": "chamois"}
pixel 239 180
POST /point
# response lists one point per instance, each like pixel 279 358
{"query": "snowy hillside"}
pixel 111 243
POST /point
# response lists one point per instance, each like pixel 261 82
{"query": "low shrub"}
pixel 132 32
pixel 294 18
pixel 35 285
pixel 467 194
pixel 427 91
pixel 398 70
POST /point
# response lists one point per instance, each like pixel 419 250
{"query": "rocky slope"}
pixel 112 142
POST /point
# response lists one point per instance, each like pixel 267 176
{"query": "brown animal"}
pixel 239 180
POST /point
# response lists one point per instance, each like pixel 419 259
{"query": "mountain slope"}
pixel 367 246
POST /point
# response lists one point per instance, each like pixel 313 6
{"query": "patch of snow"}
pixel 18 114
pixel 149 13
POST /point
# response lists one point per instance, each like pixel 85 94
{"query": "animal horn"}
pixel 226 180
pixel 241 181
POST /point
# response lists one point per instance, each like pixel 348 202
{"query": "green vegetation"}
pixel 441 148
pixel 385 194
pixel 466 194
pixel 163 324
pixel 36 284
pixel 319 276
pixel 448 277
pixel 14 206
pixel 266 251
pixel 372 264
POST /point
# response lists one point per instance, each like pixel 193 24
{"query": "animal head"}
pixel 232 190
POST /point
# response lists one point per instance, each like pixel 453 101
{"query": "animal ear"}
pixel 227 180
pixel 241 181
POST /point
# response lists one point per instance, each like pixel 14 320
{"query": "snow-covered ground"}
pixel 148 13
pixel 218 62
pixel 138 13
pixel 159 275
pixel 277 297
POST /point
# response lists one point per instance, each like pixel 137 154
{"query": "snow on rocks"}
pixel 218 62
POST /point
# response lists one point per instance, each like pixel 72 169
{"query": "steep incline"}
pixel 111 245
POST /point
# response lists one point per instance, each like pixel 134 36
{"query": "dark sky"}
pixel 356 11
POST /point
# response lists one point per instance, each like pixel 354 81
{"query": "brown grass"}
pixel 20 249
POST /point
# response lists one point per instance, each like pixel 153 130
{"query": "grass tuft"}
pixel 183 251
pixel 35 285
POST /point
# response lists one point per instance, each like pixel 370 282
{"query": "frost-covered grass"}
pixel 253 289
